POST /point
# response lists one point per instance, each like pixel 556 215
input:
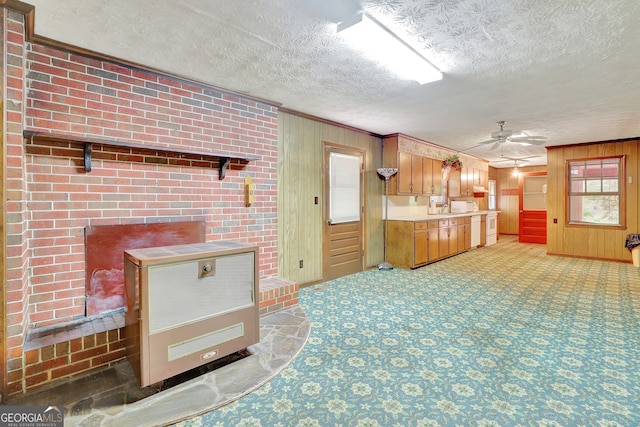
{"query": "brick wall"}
pixel 16 232
pixel 55 198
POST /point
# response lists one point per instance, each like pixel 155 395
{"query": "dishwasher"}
pixel 475 231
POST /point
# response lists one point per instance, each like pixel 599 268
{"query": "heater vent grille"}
pixel 178 296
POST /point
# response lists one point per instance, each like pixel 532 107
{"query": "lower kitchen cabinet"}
pixel 412 244
pixel 433 241
pixel 420 243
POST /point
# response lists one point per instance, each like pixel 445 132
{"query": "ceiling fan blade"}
pixel 489 141
pixel 496 145
pixel 534 142
pixel 470 148
pixel 528 138
pixel 507 158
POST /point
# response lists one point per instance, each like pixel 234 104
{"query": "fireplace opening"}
pixel 104 256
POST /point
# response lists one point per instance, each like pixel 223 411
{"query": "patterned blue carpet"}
pixel 499 336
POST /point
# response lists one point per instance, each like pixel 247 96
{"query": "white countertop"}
pixel 427 217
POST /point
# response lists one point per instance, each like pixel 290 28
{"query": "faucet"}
pixel 444 208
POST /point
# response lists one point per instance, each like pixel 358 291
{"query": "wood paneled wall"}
pixel 591 242
pixel 508 199
pixel 300 153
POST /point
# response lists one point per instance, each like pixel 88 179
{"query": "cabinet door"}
pixel 433 244
pixel 453 239
pixel 409 173
pixel 436 175
pixel 466 180
pixel 454 183
pixel 416 174
pixel 443 242
pixel 420 254
pixel 427 176
pixel 404 172
pixel 458 245
pixel 480 177
pixel 467 237
pixel 484 178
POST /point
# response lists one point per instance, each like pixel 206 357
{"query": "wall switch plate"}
pixel 301 264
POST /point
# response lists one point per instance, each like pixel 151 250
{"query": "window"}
pixel 344 189
pixel 596 191
pixel 492 194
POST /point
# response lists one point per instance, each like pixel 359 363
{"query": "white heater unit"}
pixel 188 305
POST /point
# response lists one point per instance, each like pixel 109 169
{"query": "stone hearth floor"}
pixel 112 396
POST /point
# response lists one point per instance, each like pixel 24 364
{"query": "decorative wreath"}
pixel 452 162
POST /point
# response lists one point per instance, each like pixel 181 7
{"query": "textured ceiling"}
pixel 567 70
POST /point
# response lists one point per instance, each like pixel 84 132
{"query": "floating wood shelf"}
pixel 223 158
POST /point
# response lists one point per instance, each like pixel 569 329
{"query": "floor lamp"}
pixel 386 173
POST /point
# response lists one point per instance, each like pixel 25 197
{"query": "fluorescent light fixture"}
pixel 383 46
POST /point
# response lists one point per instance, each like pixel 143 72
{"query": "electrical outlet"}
pixel 301 264
pixel 555 220
pixel 315 200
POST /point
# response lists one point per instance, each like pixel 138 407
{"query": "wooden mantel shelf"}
pixel 224 158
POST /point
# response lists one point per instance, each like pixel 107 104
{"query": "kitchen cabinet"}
pixel 483 230
pixel 417 175
pixel 413 244
pixel 467 233
pixel 409 174
pixel 432 241
pixel 459 235
pixel 444 249
pixel 431 176
pixel 480 177
pixel 463 182
pixel 454 183
pixel 420 245
pixel 407 244
pixel 466 181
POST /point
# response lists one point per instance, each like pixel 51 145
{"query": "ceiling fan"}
pixel 518 160
pixel 505 135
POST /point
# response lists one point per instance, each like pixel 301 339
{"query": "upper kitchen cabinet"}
pixel 409 174
pixel 431 176
pixel 454 185
pixel 466 182
pixel 419 166
pixel 480 177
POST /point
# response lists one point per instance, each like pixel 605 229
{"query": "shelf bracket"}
pixel 88 148
pixel 224 162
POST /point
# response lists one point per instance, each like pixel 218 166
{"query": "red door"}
pixel 533 207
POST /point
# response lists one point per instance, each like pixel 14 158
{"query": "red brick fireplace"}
pixel 148 137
